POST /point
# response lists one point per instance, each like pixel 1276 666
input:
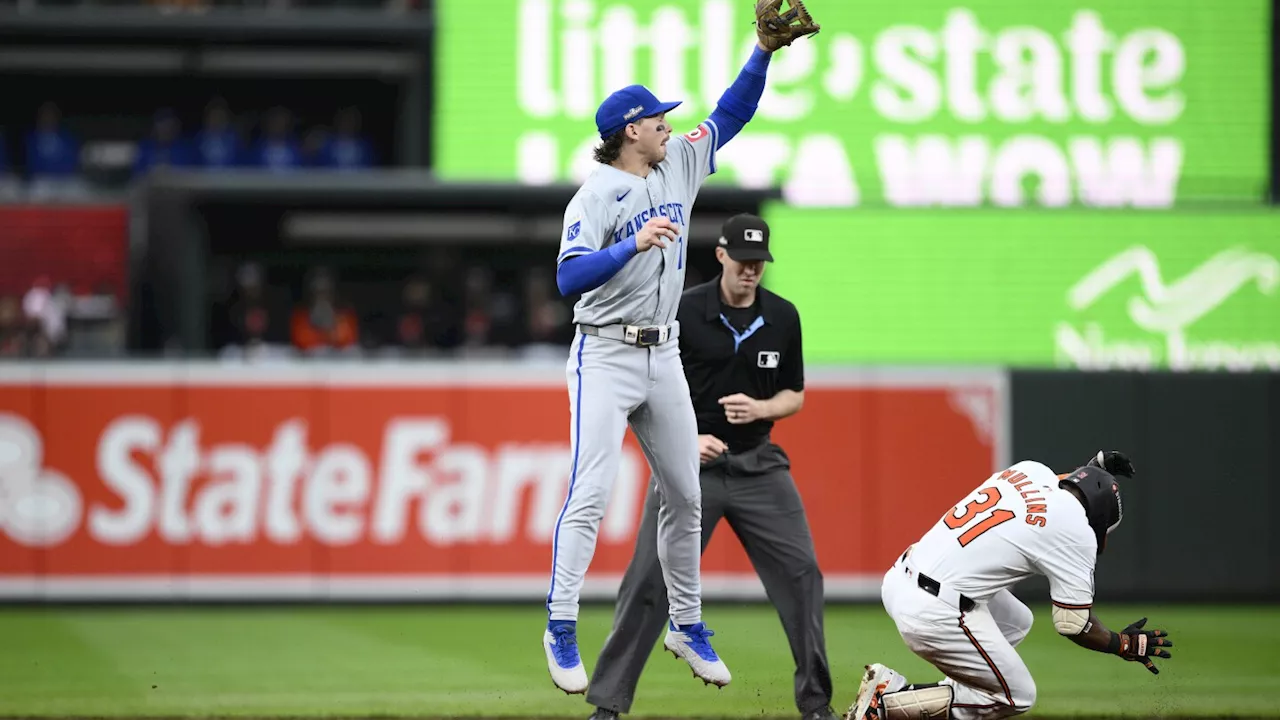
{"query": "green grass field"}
pixel 436 661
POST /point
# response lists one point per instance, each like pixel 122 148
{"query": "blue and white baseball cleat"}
pixel 560 642
pixel 692 644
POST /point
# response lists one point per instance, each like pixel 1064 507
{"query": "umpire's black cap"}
pixel 746 237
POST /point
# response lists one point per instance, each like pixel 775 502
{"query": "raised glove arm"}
pixel 775 29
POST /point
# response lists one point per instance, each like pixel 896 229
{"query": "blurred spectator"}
pixel 250 316
pixel 313 146
pixel 546 317
pixel 347 149
pixel 165 147
pixel 422 323
pixel 504 310
pixel 476 321
pixel 444 267
pixel 13 328
pixel 40 346
pixel 253 333
pixel 277 149
pixel 323 324
pixel 96 323
pixel 489 315
pixel 52 150
pixel 217 144
pixel 53 157
pixel 46 309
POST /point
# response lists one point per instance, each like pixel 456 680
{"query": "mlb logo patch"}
pixel 753 235
pixel 574 231
pixel 767 359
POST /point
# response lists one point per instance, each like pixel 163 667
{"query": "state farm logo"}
pixel 39 506
pixel 418 484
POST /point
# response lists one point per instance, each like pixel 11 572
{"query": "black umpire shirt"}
pixel 755 351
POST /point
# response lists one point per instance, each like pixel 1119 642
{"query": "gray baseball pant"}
pixel 613 385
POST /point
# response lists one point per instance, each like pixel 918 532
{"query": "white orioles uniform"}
pixel 949 593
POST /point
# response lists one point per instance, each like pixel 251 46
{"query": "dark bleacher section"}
pixel 100 93
pixel 71 149
pixel 445 300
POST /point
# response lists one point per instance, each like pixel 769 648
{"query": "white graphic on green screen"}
pixel 1106 105
pixel 1170 312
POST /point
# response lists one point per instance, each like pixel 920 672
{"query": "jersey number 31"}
pixel 988 497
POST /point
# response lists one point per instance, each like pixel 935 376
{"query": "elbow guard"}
pixel 1070 621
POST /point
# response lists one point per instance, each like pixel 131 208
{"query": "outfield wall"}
pixel 443 481
pixel 432 481
pixel 1200 515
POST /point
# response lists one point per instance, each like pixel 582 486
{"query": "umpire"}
pixel 741 350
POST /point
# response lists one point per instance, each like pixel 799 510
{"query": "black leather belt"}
pixel 933 587
pixel 646 336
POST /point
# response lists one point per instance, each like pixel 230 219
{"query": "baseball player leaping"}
pixel 949 593
pixel 623 249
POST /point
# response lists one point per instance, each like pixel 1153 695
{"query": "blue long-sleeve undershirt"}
pixel 581 273
pixel 734 110
pixel 738 104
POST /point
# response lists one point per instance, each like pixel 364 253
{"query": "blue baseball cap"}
pixel 628 105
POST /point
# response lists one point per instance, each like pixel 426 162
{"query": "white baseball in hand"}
pixel 656 232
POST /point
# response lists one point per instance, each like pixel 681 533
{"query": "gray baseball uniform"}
pixel 614 382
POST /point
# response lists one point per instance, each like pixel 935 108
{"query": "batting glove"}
pixel 1138 645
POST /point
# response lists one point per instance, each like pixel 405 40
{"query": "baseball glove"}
pixel 776 29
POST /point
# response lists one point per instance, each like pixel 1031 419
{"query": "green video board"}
pixel 1110 103
pixel 1043 288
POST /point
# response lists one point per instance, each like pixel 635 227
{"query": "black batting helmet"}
pixel 1101 493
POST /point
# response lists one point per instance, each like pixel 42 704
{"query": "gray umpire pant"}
pixel 755 493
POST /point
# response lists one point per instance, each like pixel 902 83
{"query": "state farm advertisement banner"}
pixel 443 481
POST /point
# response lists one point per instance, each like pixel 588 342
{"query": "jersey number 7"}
pixel 957 519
